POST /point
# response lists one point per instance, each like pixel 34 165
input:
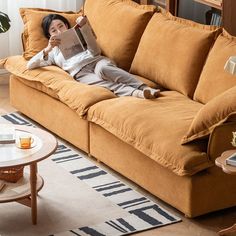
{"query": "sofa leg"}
pixel 187 216
pixel 90 156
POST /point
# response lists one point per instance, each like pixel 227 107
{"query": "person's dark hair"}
pixel 47 20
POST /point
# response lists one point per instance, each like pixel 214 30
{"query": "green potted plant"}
pixel 4 22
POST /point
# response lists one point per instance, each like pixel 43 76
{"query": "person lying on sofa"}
pixel 88 66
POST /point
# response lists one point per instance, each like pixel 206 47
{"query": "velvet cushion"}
pixel 214 79
pixel 118 25
pixel 33 38
pixel 155 128
pixel 212 114
pixel 172 52
pixel 48 75
pixel 60 84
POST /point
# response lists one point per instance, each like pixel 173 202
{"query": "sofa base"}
pixel 50 113
pixel 204 192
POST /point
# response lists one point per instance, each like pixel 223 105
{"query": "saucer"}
pixel 32 145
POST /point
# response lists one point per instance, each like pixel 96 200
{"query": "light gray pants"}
pixel 106 74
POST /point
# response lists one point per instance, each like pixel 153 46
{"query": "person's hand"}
pixel 53 42
pixel 81 20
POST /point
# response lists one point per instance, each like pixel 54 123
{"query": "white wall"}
pixel 10 42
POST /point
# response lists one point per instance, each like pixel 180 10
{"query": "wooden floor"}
pixel 207 225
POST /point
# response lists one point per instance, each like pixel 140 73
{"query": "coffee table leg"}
pixel 229 230
pixel 33 186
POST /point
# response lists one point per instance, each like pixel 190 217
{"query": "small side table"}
pixel 26 189
pixel 221 162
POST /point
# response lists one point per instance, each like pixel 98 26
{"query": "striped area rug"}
pixel 142 213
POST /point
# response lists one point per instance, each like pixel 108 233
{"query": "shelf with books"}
pixel 225 17
pixel 214 17
pixel 227 10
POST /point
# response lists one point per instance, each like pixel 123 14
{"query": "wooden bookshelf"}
pixel 228 12
pixel 212 3
pixel 229 16
pixel 227 8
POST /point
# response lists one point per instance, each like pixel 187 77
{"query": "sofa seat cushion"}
pixel 155 128
pixel 56 82
pixel 40 87
pixel 46 75
pixel 172 52
pixel 213 75
pixel 118 25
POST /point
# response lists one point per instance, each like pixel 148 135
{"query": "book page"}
pixel 90 37
pixel 72 42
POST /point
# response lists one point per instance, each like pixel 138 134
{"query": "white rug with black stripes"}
pixel 138 213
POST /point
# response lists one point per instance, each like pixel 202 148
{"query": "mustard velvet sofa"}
pixel 166 145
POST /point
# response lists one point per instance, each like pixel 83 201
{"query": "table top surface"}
pixel 221 162
pixel 44 144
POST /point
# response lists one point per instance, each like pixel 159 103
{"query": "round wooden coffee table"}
pixel 25 190
pixel 221 162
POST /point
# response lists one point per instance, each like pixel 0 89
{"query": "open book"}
pixel 77 39
pixel 72 42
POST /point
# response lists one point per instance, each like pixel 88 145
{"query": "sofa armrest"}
pixel 220 139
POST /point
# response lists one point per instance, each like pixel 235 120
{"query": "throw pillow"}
pixel 118 25
pixel 172 52
pixel 212 114
pixel 33 38
pixel 213 75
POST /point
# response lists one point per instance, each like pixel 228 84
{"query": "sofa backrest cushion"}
pixel 215 112
pixel 118 25
pixel 172 52
pixel 33 38
pixel 214 79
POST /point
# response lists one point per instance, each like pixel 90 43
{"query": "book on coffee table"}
pixel 7 134
pixel 231 160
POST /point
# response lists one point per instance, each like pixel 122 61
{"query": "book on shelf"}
pixel 77 39
pixel 213 17
pixel 216 19
pixel 231 160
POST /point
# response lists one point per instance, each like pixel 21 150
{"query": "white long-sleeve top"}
pixel 72 65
